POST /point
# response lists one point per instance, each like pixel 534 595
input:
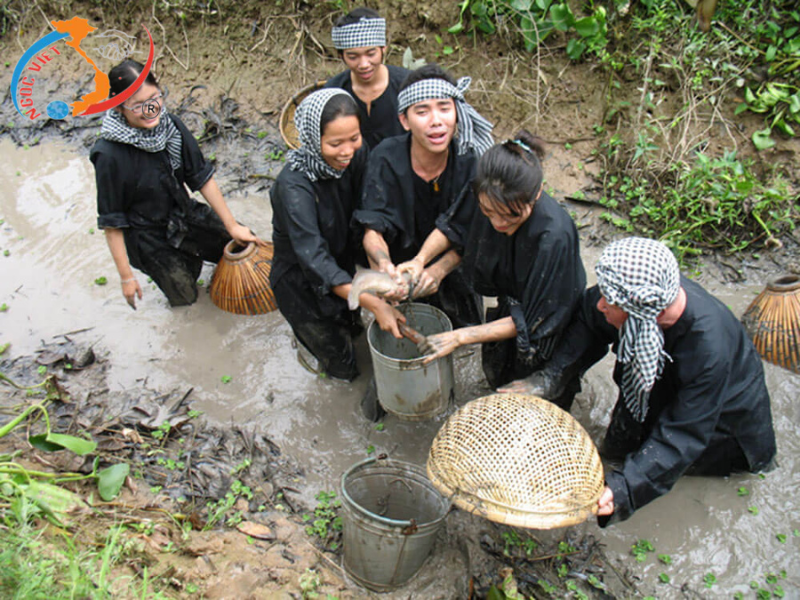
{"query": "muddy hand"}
pixel 244 236
pixel 439 345
pixel 543 384
pixel 411 271
pixel 131 289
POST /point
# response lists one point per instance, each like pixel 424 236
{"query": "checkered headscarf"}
pixel 362 34
pixel 474 132
pixel 641 277
pixel 308 158
pixel 115 128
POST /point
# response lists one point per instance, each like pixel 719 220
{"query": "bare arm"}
pixel 130 286
pixel 442 344
pixel 378 251
pixel 213 196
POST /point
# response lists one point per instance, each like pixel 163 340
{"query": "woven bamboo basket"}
pixel 241 280
pixel 518 460
pixel 288 130
pixel 773 322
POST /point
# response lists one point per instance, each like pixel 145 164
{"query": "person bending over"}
pixel 521 246
pixel 315 249
pixel 692 397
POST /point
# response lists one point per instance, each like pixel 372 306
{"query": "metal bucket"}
pixel 407 388
pixel 391 516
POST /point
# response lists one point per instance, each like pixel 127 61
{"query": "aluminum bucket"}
pixel 406 388
pixel 391 516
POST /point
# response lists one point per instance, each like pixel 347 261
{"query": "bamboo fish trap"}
pixel 773 322
pixel 288 130
pixel 518 460
pixel 241 280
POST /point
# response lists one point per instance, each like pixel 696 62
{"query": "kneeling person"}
pixel 692 398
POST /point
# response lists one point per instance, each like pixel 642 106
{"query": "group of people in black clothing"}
pixel 398 172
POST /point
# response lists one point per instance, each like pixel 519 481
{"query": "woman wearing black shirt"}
pixel 143 162
pixel 316 252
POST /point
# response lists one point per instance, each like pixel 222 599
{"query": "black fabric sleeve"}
pixel 456 222
pixel 297 208
pixel 682 431
pixel 381 202
pixel 196 171
pixel 110 187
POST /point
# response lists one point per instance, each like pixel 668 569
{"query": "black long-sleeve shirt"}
pixel 381 121
pixel 539 266
pixel 136 188
pixel 311 225
pixel 399 204
pixel 712 389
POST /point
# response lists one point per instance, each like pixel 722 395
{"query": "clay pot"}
pixel 241 280
pixel 773 322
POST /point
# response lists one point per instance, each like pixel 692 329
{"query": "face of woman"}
pixel 504 219
pixel 340 141
pixel 143 109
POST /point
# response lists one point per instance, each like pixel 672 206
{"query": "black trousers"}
pixel 323 325
pixel 175 270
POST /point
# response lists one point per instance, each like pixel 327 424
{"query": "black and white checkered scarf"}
pixel 641 277
pixel 474 132
pixel 115 128
pixel 308 158
pixel 365 33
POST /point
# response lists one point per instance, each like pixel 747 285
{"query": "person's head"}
pixel 426 107
pixel 340 131
pixel 508 181
pixel 143 109
pixel 638 278
pixel 360 38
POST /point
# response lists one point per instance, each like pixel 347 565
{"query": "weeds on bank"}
pixel 535 20
pixel 326 522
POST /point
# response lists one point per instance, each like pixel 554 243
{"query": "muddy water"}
pixel 47 281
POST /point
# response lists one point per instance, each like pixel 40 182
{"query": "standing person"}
pixel 415 178
pixel 522 247
pixel 360 38
pixel 143 162
pixel 692 396
pixel 315 249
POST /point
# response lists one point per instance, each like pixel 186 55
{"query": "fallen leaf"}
pixel 256 530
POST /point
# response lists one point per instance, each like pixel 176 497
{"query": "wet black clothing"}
pixel 315 251
pixel 381 121
pixel 536 273
pixel 709 412
pixel 399 204
pixel 167 233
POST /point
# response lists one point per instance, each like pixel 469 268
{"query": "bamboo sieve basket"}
pixel 241 280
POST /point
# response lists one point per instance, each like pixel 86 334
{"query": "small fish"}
pixel 369 280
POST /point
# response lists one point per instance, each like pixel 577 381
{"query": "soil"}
pixel 229 72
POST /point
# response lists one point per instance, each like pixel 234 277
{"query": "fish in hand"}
pixel 374 282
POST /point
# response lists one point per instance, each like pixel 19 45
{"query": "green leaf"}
pixel 101 281
pixel 762 139
pixel 226 379
pixel 663 578
pixel 447 50
pixel 575 48
pixel 587 27
pixel 771 52
pixel 51 497
pixel 781 537
pixel 521 5
pixel 79 446
pixel 562 17
pixel 110 480
pixel 40 442
pixel 741 108
pixel 457 28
